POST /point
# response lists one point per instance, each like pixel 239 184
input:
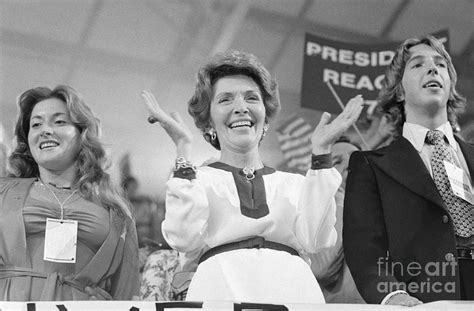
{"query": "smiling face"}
pixel 426 82
pixel 237 113
pixel 53 139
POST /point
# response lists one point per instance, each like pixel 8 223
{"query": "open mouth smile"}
pixel 48 144
pixel 237 124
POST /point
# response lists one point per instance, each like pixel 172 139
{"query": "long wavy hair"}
pixel 230 63
pixel 91 161
pixel 392 89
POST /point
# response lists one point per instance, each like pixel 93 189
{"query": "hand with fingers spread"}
pixel 326 133
pixel 171 123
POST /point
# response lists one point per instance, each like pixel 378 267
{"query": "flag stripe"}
pixel 292 142
pixel 302 152
pixel 289 124
pixel 294 137
pixel 301 130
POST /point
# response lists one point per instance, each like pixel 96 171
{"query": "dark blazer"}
pixel 397 227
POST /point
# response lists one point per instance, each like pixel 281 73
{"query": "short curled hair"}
pixel 389 96
pixel 91 160
pixel 230 63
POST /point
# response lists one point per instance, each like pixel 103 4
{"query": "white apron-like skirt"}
pixel 255 276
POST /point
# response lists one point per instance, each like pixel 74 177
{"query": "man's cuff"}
pixel 321 161
pixel 390 295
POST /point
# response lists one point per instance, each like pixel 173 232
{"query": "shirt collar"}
pixel 416 134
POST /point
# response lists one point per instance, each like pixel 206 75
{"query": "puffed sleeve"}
pixel 327 265
pixel 187 214
pixel 316 209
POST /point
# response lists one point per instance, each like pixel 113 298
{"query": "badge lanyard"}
pixel 61 205
pixel 60 235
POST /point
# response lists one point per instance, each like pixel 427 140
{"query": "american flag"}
pixel 294 136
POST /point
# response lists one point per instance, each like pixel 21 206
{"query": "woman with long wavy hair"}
pixel 67 234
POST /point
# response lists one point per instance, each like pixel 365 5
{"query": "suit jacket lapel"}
pixel 468 152
pixel 402 162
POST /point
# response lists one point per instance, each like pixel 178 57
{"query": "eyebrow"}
pixel 224 93
pixel 420 57
pixel 54 115
pixel 232 93
pixel 253 91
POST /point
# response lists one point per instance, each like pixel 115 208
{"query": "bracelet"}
pixel 184 169
pixel 182 163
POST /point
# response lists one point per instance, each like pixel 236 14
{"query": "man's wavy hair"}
pixel 392 89
pixel 91 160
pixel 230 63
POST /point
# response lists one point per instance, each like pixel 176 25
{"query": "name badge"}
pixel 459 181
pixel 60 240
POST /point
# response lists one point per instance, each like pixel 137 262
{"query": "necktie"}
pixel 460 210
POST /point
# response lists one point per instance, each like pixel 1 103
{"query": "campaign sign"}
pixel 351 68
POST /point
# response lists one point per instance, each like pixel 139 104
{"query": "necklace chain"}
pixel 61 205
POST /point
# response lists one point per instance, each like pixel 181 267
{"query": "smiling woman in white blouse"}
pixel 248 226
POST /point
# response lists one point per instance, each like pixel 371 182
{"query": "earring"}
pixel 264 130
pixel 212 133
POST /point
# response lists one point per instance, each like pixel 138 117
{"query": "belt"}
pixel 465 253
pixel 255 242
pixel 14 271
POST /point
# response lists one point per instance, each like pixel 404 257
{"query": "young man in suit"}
pixel 408 210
